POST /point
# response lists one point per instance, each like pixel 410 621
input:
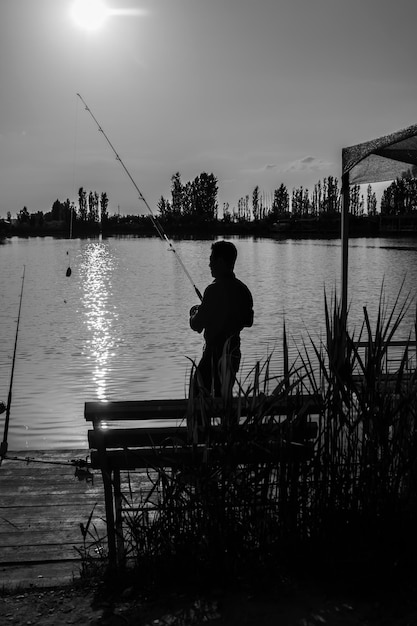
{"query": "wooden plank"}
pixel 43 537
pixel 24 482
pixel 122 437
pixel 16 489
pixel 39 553
pixel 50 574
pixel 19 472
pixel 177 409
pixel 136 410
pixel 41 510
pixel 46 501
pixel 141 437
pixel 172 457
pixel 30 515
pixel 47 526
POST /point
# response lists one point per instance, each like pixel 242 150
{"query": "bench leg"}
pixel 111 531
pixel 119 518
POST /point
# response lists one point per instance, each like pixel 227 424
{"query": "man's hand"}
pixel 194 310
pixel 193 313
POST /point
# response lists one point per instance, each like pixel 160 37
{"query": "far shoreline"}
pixel 323 227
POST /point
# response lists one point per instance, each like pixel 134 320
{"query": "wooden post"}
pixel 111 531
pixel 119 516
pixel 106 474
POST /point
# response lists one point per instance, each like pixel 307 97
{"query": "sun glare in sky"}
pixel 92 14
pixel 89 14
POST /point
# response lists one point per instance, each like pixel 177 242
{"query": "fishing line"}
pixel 4 445
pixel 31 459
pixel 158 227
pixel 74 160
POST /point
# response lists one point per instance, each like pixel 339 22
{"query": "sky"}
pixel 257 92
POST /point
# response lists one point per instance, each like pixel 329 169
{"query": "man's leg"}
pixel 203 377
pixel 228 366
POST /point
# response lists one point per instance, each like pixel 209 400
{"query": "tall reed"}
pixel 350 493
pixel 364 474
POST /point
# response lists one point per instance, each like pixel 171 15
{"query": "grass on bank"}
pixel 351 501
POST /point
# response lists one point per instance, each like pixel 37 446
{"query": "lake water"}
pixel 117 328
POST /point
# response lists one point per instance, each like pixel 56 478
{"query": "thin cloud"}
pixel 308 163
pixel 305 164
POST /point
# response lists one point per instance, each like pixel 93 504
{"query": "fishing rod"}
pixel 158 227
pixel 3 445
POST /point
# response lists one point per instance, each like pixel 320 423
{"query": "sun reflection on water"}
pixel 96 272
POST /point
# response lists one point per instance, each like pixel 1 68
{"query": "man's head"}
pixel 222 259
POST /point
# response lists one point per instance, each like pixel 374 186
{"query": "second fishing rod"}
pixel 4 443
pixel 158 227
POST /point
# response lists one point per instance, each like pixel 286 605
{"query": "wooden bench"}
pixel 161 438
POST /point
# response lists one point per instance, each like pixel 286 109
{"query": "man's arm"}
pixel 247 310
pixel 248 322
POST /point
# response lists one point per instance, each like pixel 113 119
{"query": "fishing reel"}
pixel 3 407
pixel 194 310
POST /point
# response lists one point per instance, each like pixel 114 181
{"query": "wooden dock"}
pixel 42 504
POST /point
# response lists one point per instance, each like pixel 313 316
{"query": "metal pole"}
pixel 345 243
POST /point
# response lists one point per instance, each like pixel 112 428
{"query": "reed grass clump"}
pixel 364 478
pixel 319 463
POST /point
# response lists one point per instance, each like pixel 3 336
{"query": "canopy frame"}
pixel 383 159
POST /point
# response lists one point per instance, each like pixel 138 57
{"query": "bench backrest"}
pixel 154 415
pixel 139 410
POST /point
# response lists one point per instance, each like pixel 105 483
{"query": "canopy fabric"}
pixel 382 159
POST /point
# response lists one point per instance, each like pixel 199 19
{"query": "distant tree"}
pixel 317 199
pixel 296 202
pixel 164 207
pixel 263 207
pixel 57 211
pixel 36 219
pixel 400 197
pixel 82 204
pixel 300 202
pixel 188 199
pixel 9 216
pixel 204 197
pixel 177 193
pixel 243 209
pixel 243 212
pixel 371 202
pixel 255 203
pixel 331 195
pixel 355 200
pixel 67 212
pixel 93 207
pixel 104 208
pixel 23 216
pixel 226 212
pixel 196 199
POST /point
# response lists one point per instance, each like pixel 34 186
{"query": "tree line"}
pixel 194 204
pixel 198 199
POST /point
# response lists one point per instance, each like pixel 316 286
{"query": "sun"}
pixel 89 14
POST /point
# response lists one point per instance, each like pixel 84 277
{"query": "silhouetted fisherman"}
pixel 226 308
